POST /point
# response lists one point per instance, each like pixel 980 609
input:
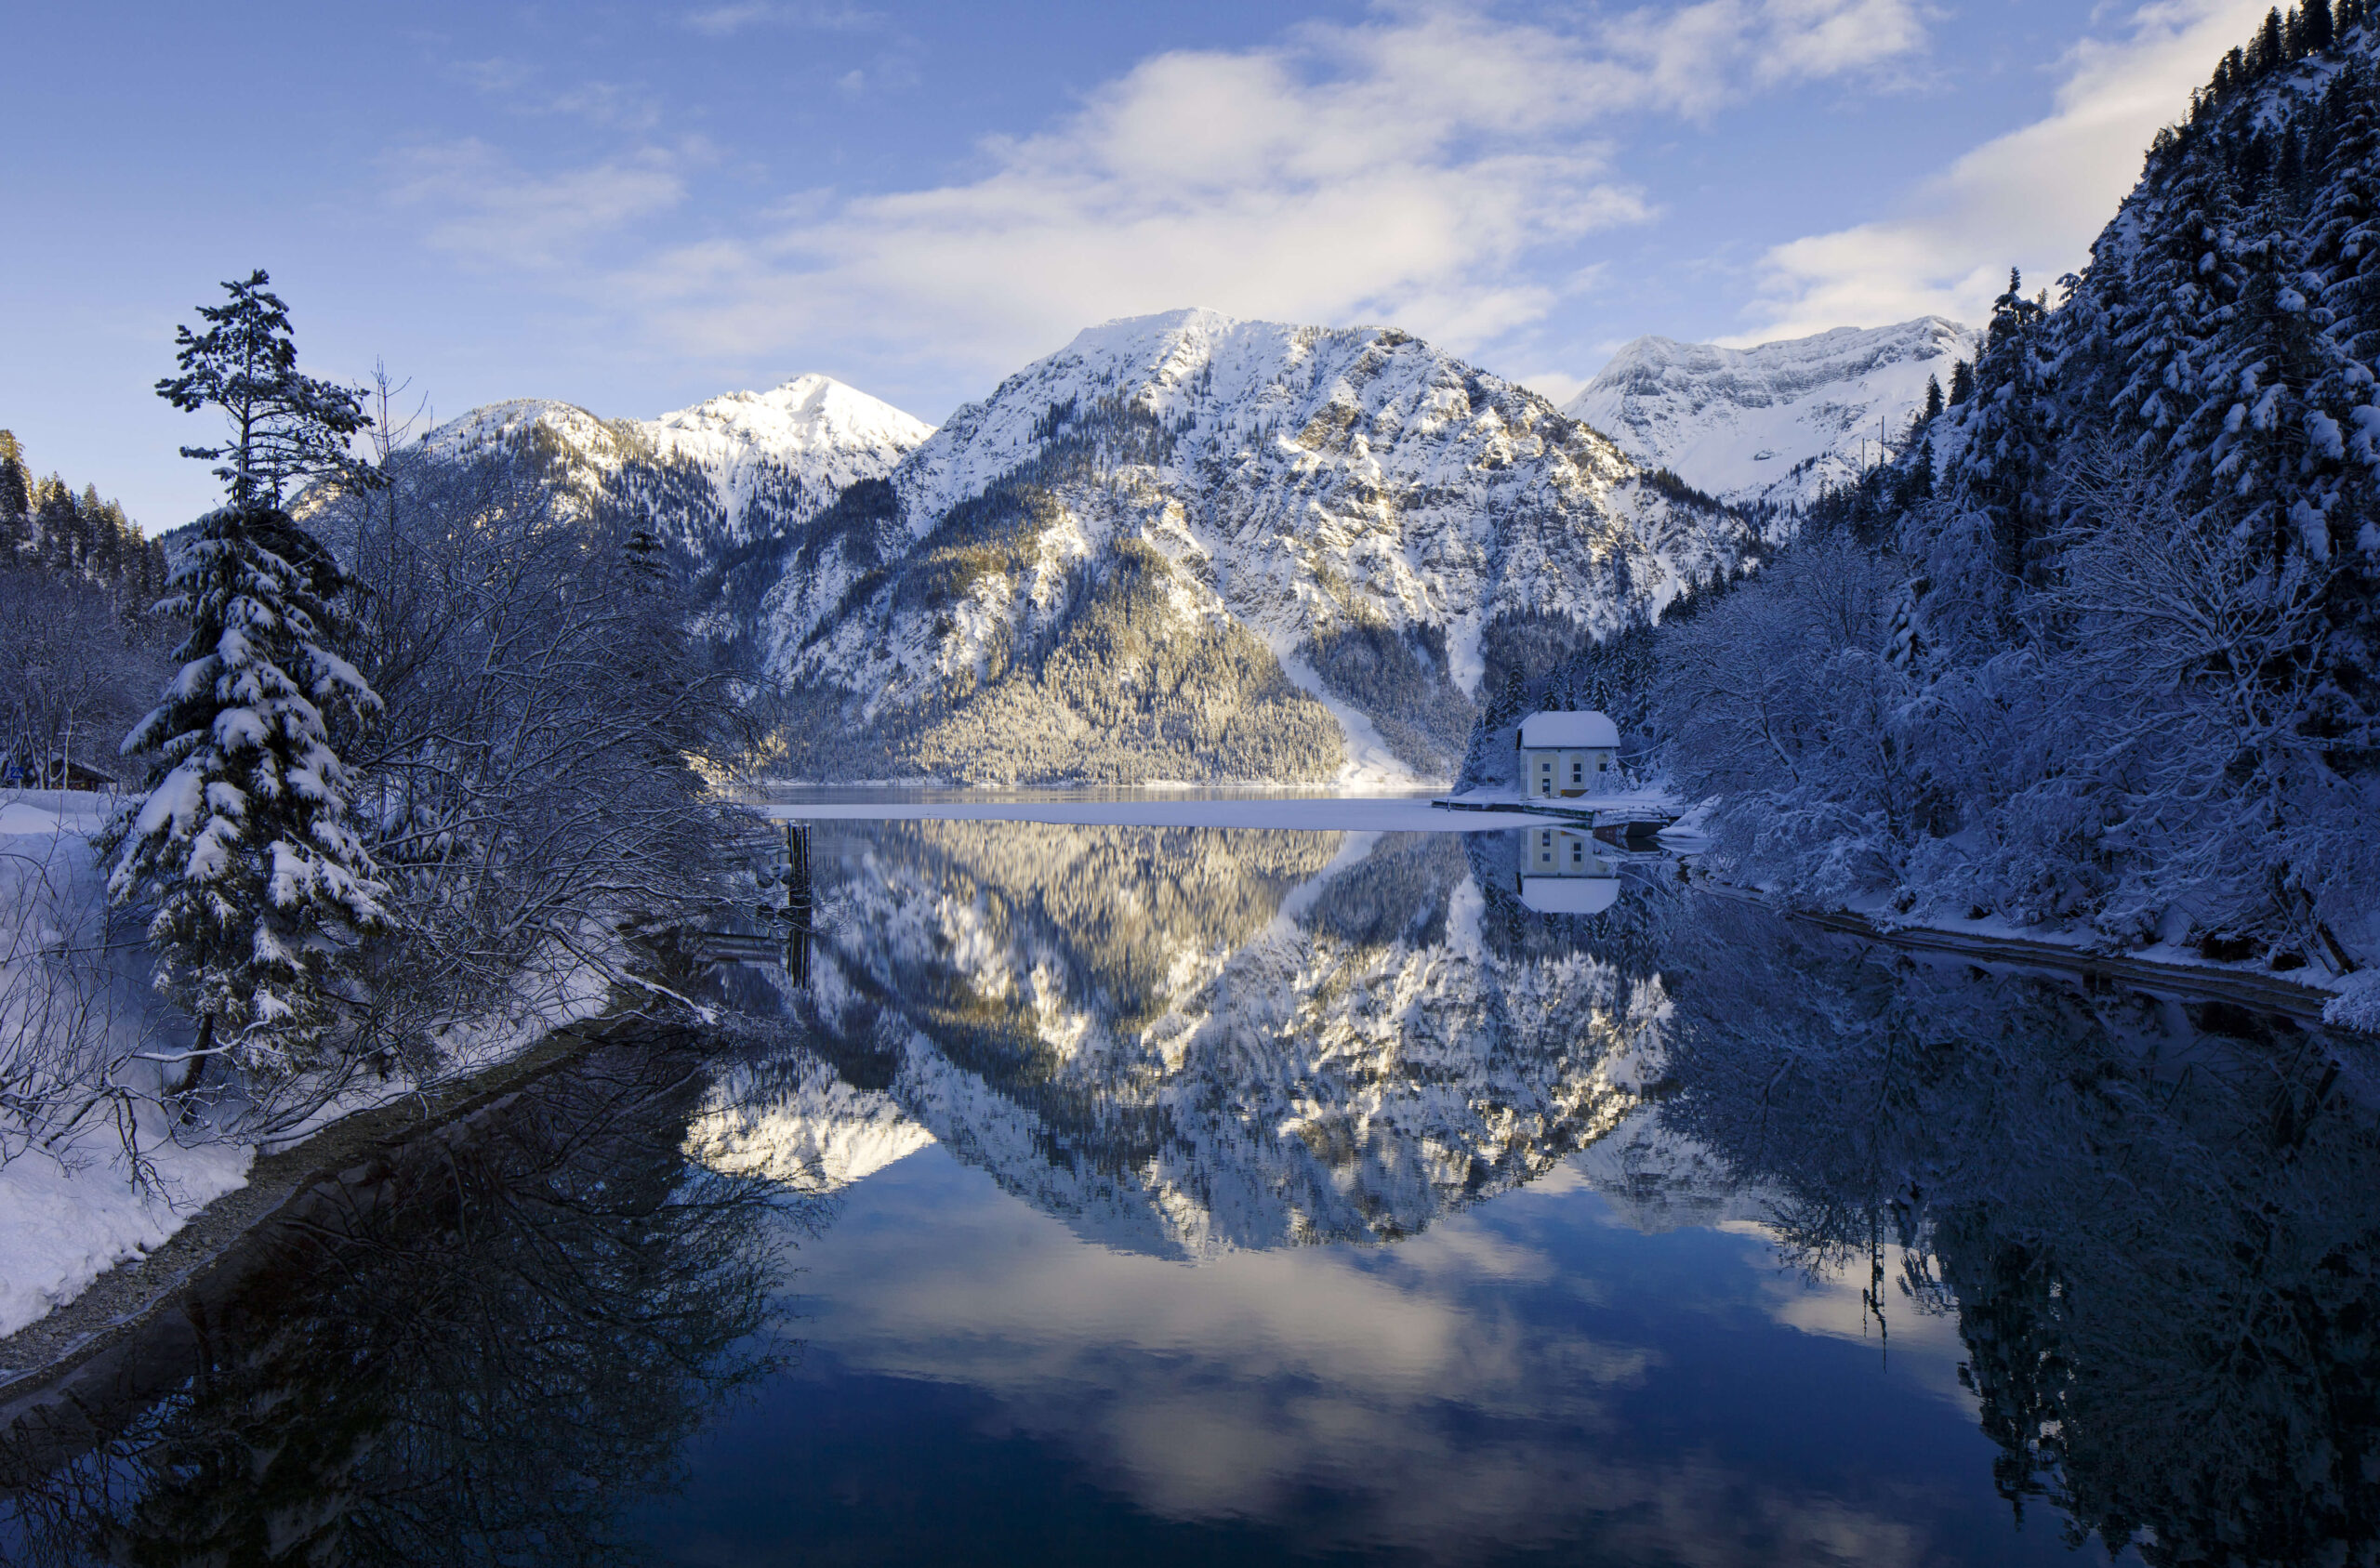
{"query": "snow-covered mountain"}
pixel 723 472
pixel 1189 546
pixel 813 435
pixel 1183 547
pixel 1778 423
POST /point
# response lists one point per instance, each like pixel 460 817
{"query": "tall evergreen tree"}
pixel 284 426
pixel 246 845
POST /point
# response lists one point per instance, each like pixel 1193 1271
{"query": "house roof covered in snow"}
pixel 1562 732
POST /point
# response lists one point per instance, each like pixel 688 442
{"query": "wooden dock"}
pixel 1630 822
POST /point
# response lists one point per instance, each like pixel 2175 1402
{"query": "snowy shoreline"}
pixel 108 1308
pixel 2151 969
pixel 80 1213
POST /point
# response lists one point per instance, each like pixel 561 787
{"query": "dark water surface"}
pixel 1203 1195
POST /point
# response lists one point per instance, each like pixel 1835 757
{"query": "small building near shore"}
pixel 1568 752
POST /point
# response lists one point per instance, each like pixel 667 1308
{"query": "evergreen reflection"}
pixel 478 1356
pixel 2156 1225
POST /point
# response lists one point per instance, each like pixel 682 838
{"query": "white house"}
pixel 1568 752
pixel 1562 874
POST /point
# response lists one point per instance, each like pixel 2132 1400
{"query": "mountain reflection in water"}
pixel 1136 1195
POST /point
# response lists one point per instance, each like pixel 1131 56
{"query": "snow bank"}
pixel 71 1208
pixel 76 1009
pixel 60 1227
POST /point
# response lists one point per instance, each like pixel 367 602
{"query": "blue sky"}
pixel 633 207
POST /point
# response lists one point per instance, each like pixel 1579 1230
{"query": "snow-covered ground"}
pixel 69 1210
pixel 72 1209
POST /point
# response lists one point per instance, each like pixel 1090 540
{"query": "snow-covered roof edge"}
pixel 1560 729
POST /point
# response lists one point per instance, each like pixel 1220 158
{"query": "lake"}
pixel 1130 1194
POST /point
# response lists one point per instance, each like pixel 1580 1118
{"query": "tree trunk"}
pixel 201 1055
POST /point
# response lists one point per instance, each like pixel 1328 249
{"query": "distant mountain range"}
pixel 1782 423
pixel 1183 548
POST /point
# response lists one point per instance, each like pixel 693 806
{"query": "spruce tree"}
pixel 246 847
pixel 16 501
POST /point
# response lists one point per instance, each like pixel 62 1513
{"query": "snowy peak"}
pixel 1779 422
pixel 517 422
pixel 1302 530
pixel 814 423
pixel 733 468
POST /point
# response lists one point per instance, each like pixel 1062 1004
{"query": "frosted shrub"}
pixel 79 1048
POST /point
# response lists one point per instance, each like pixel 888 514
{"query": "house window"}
pixel 1578 852
pixel 1577 772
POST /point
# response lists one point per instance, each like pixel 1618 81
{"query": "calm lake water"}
pixel 1122 1195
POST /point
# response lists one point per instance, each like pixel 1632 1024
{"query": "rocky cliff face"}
pixel 1780 423
pixel 1153 553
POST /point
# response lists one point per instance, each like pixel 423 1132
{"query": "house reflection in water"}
pixel 1561 874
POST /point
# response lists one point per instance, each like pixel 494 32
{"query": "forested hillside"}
pixel 2102 649
pixel 81 653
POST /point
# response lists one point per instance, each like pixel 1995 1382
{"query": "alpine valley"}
pixel 1183 547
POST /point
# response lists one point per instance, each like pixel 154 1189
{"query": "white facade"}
pixel 1562 874
pixel 1568 753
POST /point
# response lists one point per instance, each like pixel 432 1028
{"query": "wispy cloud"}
pixel 723 21
pixel 521 88
pixel 1409 168
pixel 2034 198
pixel 483 208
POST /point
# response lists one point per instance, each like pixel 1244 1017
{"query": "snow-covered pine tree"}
pixel 245 847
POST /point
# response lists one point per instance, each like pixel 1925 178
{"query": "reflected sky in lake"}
pixel 1201 1195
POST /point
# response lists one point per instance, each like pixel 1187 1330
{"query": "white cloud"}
pixel 1409 168
pixel 488 210
pixel 2034 198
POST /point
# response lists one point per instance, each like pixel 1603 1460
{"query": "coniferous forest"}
pixel 2100 650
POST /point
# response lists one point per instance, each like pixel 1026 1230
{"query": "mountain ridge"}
pixel 1780 423
pixel 1184 546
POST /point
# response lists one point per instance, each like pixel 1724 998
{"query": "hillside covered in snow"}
pixel 1780 423
pixel 1183 547
pixel 1192 548
pixel 2100 650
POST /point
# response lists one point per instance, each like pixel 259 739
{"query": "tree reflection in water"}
pixel 2157 1228
pixel 479 1356
pixel 2153 1226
